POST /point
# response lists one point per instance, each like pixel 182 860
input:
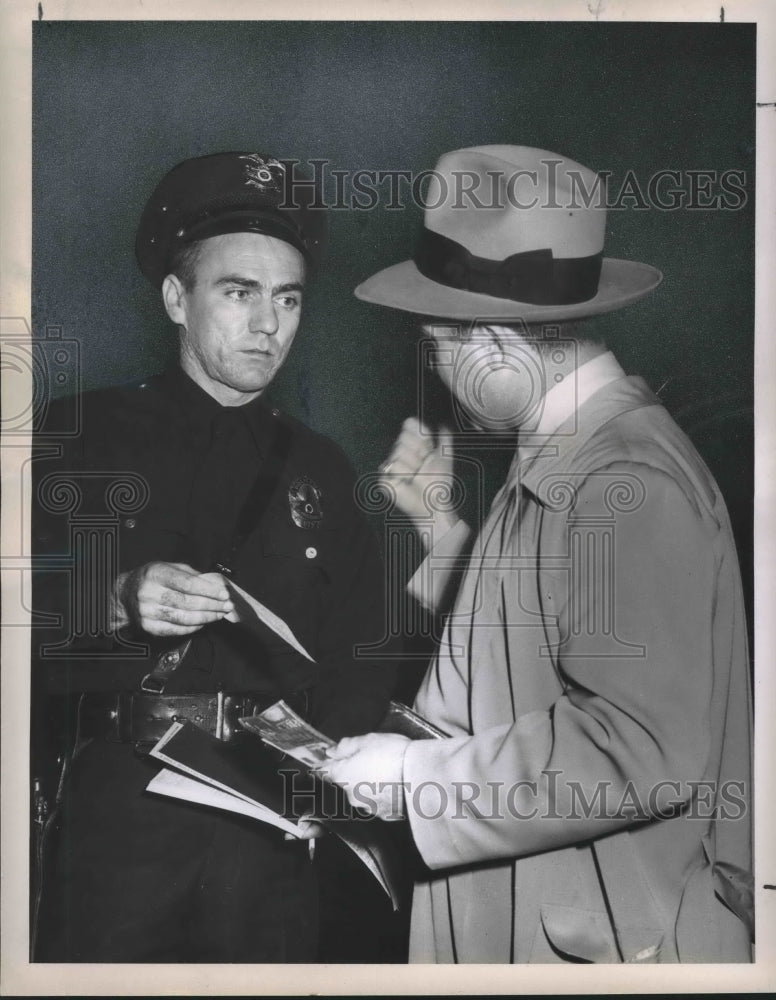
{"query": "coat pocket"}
pixel 578 935
pixel 708 928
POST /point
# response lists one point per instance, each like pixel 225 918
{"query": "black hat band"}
pixel 534 276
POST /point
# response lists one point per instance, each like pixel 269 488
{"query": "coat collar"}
pixel 569 394
pixel 540 458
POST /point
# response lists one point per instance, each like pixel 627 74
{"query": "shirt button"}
pixel 130 522
pixel 311 553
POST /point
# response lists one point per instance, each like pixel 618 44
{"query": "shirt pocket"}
pixel 305 550
pixel 152 535
pixel 287 571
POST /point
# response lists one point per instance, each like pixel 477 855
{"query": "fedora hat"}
pixel 511 233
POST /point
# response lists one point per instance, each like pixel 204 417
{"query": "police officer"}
pixel 209 483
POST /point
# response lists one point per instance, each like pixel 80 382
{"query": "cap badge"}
pixel 304 499
pixel 265 175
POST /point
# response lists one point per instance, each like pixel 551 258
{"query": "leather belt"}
pixel 137 717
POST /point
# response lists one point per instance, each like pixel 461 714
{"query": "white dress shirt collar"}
pixel 561 401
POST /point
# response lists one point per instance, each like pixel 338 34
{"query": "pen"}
pixel 311 848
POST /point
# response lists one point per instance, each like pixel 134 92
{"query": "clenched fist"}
pixel 419 473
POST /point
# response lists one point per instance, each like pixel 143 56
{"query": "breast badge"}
pixel 304 499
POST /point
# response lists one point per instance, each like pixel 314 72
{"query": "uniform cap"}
pixel 227 193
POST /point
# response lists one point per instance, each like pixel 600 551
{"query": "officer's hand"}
pixel 419 473
pixel 370 770
pixel 170 599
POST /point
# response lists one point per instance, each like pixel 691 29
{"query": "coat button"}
pixel 130 522
pixel 311 553
pixel 275 411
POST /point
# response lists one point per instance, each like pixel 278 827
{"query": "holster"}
pixel 47 792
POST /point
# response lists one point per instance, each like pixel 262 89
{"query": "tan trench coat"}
pixel 594 671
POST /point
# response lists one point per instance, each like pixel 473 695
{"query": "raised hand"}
pixel 419 473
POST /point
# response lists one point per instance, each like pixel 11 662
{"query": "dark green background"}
pixel 117 104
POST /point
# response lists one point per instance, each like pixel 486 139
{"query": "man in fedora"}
pixel 212 483
pixel 591 799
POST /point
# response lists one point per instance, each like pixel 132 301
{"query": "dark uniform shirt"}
pixel 160 471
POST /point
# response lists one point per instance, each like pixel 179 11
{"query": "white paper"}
pixel 179 786
pixel 269 618
pixel 158 752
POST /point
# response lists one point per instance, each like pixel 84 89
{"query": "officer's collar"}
pixel 201 407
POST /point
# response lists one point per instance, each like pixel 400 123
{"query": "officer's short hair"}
pixel 184 264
